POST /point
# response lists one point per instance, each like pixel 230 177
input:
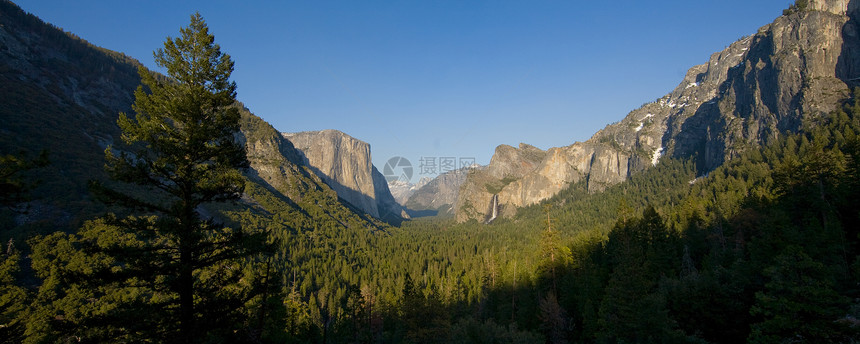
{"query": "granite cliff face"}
pixel 841 7
pixel 344 163
pixel 799 66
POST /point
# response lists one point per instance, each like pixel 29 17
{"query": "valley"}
pixel 725 211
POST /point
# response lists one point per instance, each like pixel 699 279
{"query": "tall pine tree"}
pixel 181 148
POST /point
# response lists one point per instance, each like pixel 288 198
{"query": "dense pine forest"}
pixel 183 246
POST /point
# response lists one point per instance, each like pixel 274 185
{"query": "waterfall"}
pixel 494 209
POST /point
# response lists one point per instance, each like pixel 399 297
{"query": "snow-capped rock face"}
pixel 402 190
pixel 800 65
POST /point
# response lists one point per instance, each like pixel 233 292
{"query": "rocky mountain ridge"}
pixel 798 66
pixel 440 193
pixel 63 95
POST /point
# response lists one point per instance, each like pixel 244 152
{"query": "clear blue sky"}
pixel 436 78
